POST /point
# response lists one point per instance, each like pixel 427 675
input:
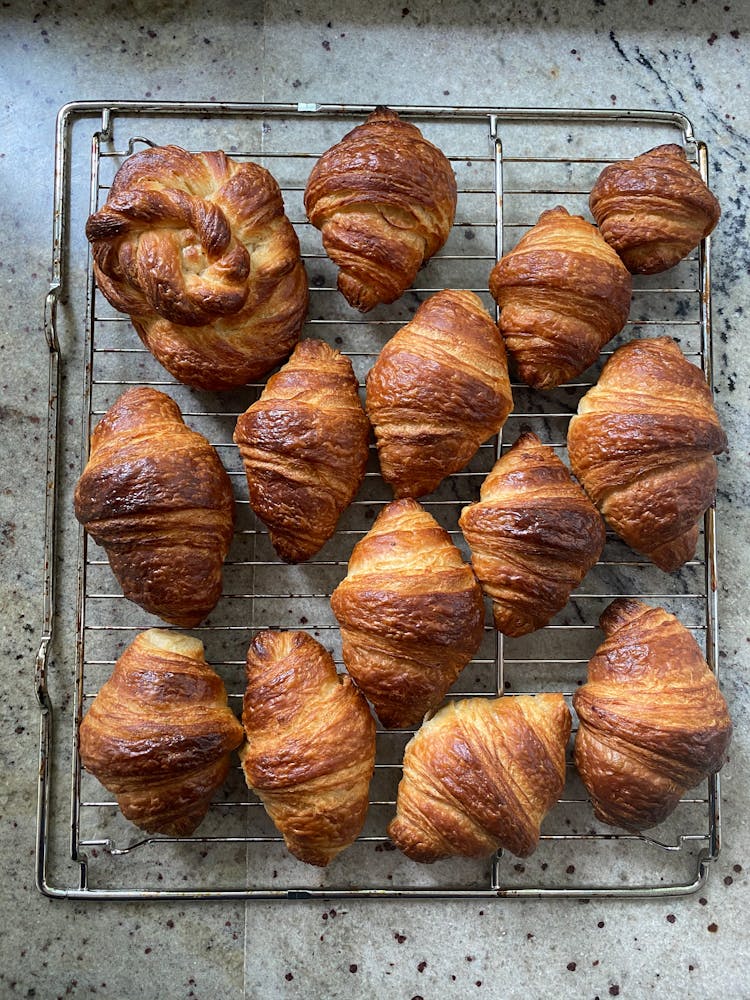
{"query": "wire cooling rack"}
pixel 510 165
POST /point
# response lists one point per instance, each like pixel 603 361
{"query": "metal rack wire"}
pixel 510 164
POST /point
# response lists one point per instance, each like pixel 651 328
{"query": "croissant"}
pixel 480 776
pixel 159 734
pixel 438 390
pixel 155 495
pixel 304 445
pixel 310 751
pixel 384 198
pixel 642 445
pixel 197 249
pixel 653 722
pixel 533 536
pixel 563 293
pixel 411 614
pixel 653 209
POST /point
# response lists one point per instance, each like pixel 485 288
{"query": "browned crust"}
pixel 653 209
pixel 438 390
pixel 196 248
pixel 305 445
pixel 533 536
pixel 642 445
pixel 159 736
pixel 411 614
pixel 480 776
pixel 653 722
pixel 384 198
pixel 155 495
pixel 310 753
pixel 563 295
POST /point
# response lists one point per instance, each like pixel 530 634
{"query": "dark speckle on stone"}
pixel 671 918
pixel 400 937
pixel 702 901
pixel 614 991
pixel 326 45
pixel 570 869
pixel 712 38
pixel 469 234
pixel 713 928
pixel 728 880
pixel 571 966
pixel 353 967
pixel 404 11
pixel 289 977
pixel 422 966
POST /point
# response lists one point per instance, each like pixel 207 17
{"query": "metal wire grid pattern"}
pixel 493 212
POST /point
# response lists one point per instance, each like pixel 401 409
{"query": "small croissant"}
pixel 304 445
pixel 533 536
pixel 159 734
pixel 438 390
pixel 643 445
pixel 653 722
pixel 384 198
pixel 563 294
pixel 480 776
pixel 310 751
pixel 411 614
pixel 654 209
pixel 196 248
pixel 155 495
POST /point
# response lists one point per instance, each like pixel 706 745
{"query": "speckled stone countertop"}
pixel 660 54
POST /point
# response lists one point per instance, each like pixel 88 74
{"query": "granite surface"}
pixel 693 57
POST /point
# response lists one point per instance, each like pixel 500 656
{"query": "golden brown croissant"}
pixel 384 198
pixel 653 209
pixel 642 445
pixel 310 750
pixel 411 614
pixel 197 249
pixel 155 494
pixel 438 390
pixel 159 734
pixel 533 536
pixel 304 445
pixel 480 776
pixel 653 722
pixel 563 293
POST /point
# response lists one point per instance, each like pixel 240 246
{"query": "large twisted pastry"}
pixel 653 722
pixel 480 776
pixel 438 390
pixel 304 445
pixel 159 734
pixel 198 250
pixel 563 293
pixel 155 495
pixel 411 614
pixel 533 536
pixel 653 209
pixel 310 750
pixel 384 198
pixel 642 445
